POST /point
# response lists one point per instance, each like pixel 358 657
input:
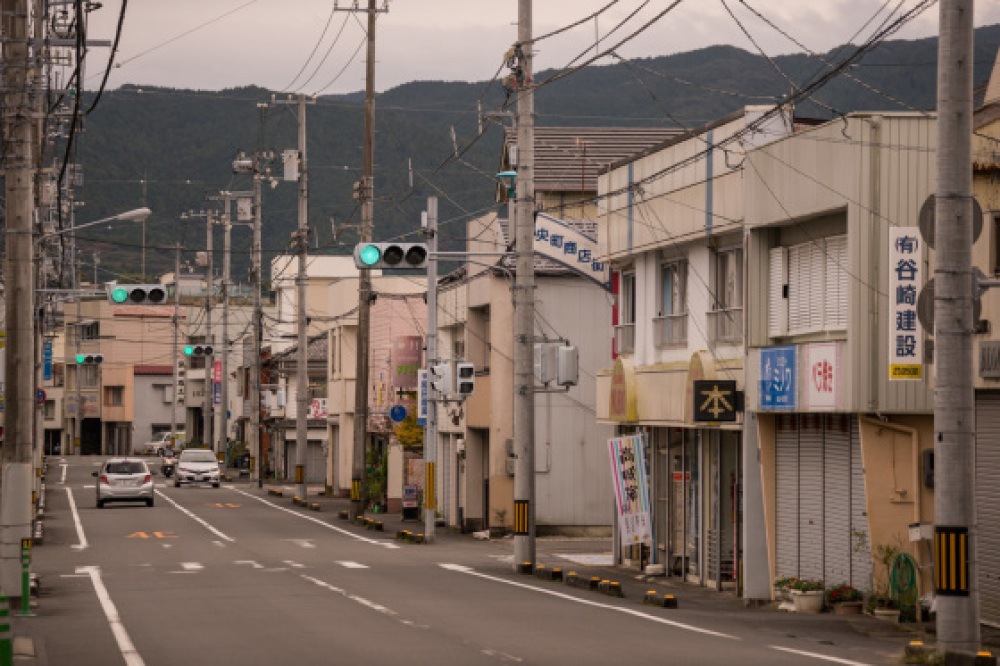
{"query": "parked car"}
pixel 124 480
pixel 197 466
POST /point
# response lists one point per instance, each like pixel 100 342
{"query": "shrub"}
pixel 842 593
pixel 806 585
pixel 786 582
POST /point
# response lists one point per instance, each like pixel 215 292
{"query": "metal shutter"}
pixel 861 554
pixel 777 304
pixel 837 281
pixel 837 500
pixel 811 496
pixel 315 462
pixel 786 445
pixel 988 505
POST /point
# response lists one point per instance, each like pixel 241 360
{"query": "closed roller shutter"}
pixel 837 500
pixel 787 496
pixel 315 462
pixel 861 554
pixel 811 496
pixel 988 505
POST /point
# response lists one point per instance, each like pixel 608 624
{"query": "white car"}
pixel 197 466
pixel 124 480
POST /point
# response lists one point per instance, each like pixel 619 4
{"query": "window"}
pixel 625 330
pixel 808 285
pixel 49 410
pixel 88 375
pixel 726 318
pixel 90 330
pixel 670 326
pixel 114 395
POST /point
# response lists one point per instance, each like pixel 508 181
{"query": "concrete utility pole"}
pixel 256 440
pixel 524 298
pixel 954 398
pixel 208 413
pixel 358 489
pixel 175 357
pixel 431 431
pixel 302 401
pixel 226 282
pixel 19 375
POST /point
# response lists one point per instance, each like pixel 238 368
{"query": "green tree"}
pixel 410 435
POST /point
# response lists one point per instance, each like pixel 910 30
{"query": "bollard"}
pixel 25 579
pixel 6 635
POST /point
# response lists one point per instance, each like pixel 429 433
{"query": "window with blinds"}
pixel 808 287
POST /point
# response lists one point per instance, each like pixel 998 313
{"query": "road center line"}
pixel 379 608
pixel 128 650
pixel 63 478
pixel 384 544
pixel 76 521
pixel 586 602
pixel 814 655
pixel 196 518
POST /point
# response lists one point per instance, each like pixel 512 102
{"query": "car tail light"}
pixel 146 479
pixel 104 480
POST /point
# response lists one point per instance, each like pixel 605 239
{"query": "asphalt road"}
pixel 232 576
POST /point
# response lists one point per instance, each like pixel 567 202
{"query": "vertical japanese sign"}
pixel 628 468
pixel 906 343
pixel 406 353
pixel 47 361
pixel 777 378
pixel 217 383
pixel 422 397
pixel 821 377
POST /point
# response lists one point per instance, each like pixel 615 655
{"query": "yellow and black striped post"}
pixel 521 519
pixel 951 561
pixel 300 474
pixel 355 490
pixel 430 498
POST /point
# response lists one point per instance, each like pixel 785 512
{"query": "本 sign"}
pixel 714 400
pixel 906 274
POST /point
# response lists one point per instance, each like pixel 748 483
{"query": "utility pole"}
pixel 226 260
pixel 256 440
pixel 174 356
pixel 301 281
pixel 358 490
pixel 524 297
pixel 208 413
pixel 431 431
pixel 954 397
pixel 19 375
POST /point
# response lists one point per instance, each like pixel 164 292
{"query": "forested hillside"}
pixel 168 148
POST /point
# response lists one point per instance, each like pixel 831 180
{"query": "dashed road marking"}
pixel 815 655
pixel 255 565
pixel 196 518
pixel 125 645
pixel 347 564
pixel 81 537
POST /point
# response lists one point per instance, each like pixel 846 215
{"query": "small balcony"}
pixel 726 326
pixel 625 338
pixel 670 331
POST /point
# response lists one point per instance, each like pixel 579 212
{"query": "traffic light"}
pixel 466 382
pixel 198 350
pixel 89 359
pixel 137 294
pixel 412 256
pixel 441 378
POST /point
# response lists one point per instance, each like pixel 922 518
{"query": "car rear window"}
pixel 126 468
pixel 191 455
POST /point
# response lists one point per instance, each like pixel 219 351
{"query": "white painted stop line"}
pixel 353 565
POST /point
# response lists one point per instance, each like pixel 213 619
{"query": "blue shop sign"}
pixel 777 378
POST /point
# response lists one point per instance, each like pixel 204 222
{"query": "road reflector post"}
pixel 25 579
pixel 525 568
pixel 6 635
pixel 666 601
pixel 345 514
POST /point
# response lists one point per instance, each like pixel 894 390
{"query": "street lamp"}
pixel 137 215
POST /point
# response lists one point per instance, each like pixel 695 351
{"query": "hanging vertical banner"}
pixel 628 468
pixel 422 397
pixel 47 361
pixel 906 273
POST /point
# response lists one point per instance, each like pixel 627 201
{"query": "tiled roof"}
pixel 568 159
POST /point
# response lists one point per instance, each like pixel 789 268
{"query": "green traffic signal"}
pixel 80 358
pixel 370 255
pixel 119 294
pixel 188 350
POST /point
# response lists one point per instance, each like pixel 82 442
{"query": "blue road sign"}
pixel 397 413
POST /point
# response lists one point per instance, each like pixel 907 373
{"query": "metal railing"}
pixel 726 325
pixel 670 331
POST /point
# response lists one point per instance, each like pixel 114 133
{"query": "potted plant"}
pixel 881 603
pixel 783 587
pixel 807 595
pixel 844 599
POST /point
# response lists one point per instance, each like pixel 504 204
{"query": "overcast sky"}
pixel 216 44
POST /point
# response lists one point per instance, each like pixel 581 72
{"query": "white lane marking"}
pixel 90 486
pixel 191 566
pixel 196 518
pixel 502 656
pixel 250 562
pixel 814 655
pixel 219 544
pixel 76 521
pixel 303 543
pixel 63 479
pixel 586 602
pixel 353 597
pixel 352 565
pixel 128 650
pixel 294 565
pixel 74 576
pixel 384 544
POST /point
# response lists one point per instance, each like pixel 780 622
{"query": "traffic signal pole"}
pixel 175 357
pixel 954 397
pixel 208 413
pixel 431 431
